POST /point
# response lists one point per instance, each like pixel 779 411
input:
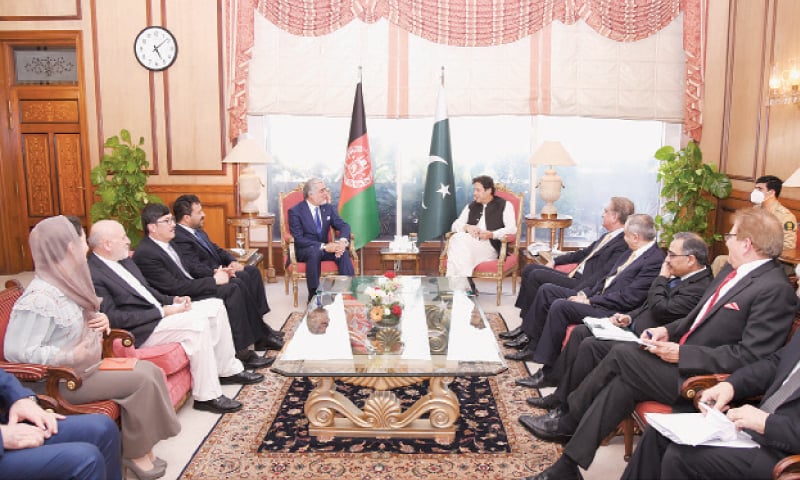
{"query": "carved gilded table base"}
pixel 331 414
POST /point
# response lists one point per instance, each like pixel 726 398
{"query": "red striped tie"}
pixel 710 306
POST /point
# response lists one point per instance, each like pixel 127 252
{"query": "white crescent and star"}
pixel 443 189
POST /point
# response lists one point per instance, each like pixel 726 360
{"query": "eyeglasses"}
pixel 728 236
pixel 673 255
pixel 169 221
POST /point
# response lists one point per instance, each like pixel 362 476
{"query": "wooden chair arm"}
pixel 787 469
pixel 693 386
pixel 443 253
pixel 125 337
pixel 26 372
pixel 354 254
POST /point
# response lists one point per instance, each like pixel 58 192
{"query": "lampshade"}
pixel 551 153
pixel 248 152
pixel 793 180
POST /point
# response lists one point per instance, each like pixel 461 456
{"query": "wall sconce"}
pixel 248 152
pixel 784 85
pixel 552 154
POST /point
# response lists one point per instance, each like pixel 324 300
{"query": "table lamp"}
pixel 793 180
pixel 248 152
pixel 552 154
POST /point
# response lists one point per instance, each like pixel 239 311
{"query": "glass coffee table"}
pixel 352 334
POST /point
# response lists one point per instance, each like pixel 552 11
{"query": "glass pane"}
pixel 613 157
pixel 44 66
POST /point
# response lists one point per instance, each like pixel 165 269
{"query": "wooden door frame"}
pixel 14 222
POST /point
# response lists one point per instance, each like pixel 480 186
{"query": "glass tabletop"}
pixel 380 326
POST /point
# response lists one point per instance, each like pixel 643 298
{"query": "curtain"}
pixel 470 23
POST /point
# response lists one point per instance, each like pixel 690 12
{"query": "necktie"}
pixel 708 308
pixel 579 268
pixel 673 283
pixel 627 262
pixel 205 245
pixel 318 220
pixel 782 393
pixel 175 258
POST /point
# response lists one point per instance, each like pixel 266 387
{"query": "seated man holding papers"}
pixel 774 425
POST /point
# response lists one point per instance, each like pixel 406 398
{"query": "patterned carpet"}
pixel 236 447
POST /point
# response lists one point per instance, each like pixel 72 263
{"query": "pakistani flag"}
pixel 358 205
pixel 438 201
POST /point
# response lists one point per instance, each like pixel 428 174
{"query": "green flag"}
pixel 438 201
pixel 358 205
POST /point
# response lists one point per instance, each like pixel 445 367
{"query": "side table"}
pixel 398 258
pixel 556 225
pixel 244 223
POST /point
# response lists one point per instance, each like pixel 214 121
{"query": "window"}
pixel 614 157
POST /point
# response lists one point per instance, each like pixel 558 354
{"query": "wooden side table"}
pixel 398 258
pixel 244 223
pixel 556 225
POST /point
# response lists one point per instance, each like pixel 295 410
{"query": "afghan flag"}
pixel 438 201
pixel 358 205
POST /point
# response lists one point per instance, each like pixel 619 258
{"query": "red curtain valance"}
pixel 470 23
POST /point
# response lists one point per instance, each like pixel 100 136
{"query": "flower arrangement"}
pixel 386 310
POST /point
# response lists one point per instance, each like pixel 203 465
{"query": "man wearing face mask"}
pixel 765 195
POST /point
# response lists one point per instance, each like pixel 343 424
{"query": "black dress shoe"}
pixel 511 333
pixel 563 469
pixel 242 378
pixel 270 342
pixel 258 362
pixel 221 404
pixel 524 355
pixel 520 342
pixel 549 427
pixel 538 380
pixel 548 402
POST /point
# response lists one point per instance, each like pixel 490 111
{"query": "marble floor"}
pixel 196 425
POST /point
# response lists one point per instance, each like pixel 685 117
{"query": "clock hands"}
pixel 155 48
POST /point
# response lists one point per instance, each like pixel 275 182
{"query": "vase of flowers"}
pixel 385 307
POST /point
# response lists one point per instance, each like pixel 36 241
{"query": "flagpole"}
pixel 360 250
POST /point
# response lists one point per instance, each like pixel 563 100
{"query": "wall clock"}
pixel 155 48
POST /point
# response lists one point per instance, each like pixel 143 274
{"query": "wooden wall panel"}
pixel 194 89
pixel 745 77
pixel 40 9
pixel 123 86
pixel 38 175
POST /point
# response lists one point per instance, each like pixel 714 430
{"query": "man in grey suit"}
pixel 743 317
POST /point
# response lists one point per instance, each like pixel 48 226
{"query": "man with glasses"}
pixel 744 316
pixel 310 223
pixel 680 284
pixel 163 269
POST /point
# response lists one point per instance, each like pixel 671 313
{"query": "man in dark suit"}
pixel 201 328
pixel 163 269
pixel 593 262
pixel 743 317
pixel 774 425
pixel 623 289
pixel 202 258
pixel 41 444
pixel 682 281
pixel 310 223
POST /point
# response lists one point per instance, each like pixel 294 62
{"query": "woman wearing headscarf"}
pixel 57 322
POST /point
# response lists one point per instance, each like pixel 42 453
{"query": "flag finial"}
pixel 359 74
pixel 442 76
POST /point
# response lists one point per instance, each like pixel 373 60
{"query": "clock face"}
pixel 155 48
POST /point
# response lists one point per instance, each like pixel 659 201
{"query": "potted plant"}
pixel 120 178
pixel 687 185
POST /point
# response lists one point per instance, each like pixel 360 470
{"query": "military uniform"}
pixel 789 223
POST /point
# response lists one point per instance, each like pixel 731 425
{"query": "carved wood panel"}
pixel 48 111
pixel 38 175
pixel 69 168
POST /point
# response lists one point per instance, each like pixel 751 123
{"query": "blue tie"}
pixel 205 245
pixel 674 282
pixel 318 219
